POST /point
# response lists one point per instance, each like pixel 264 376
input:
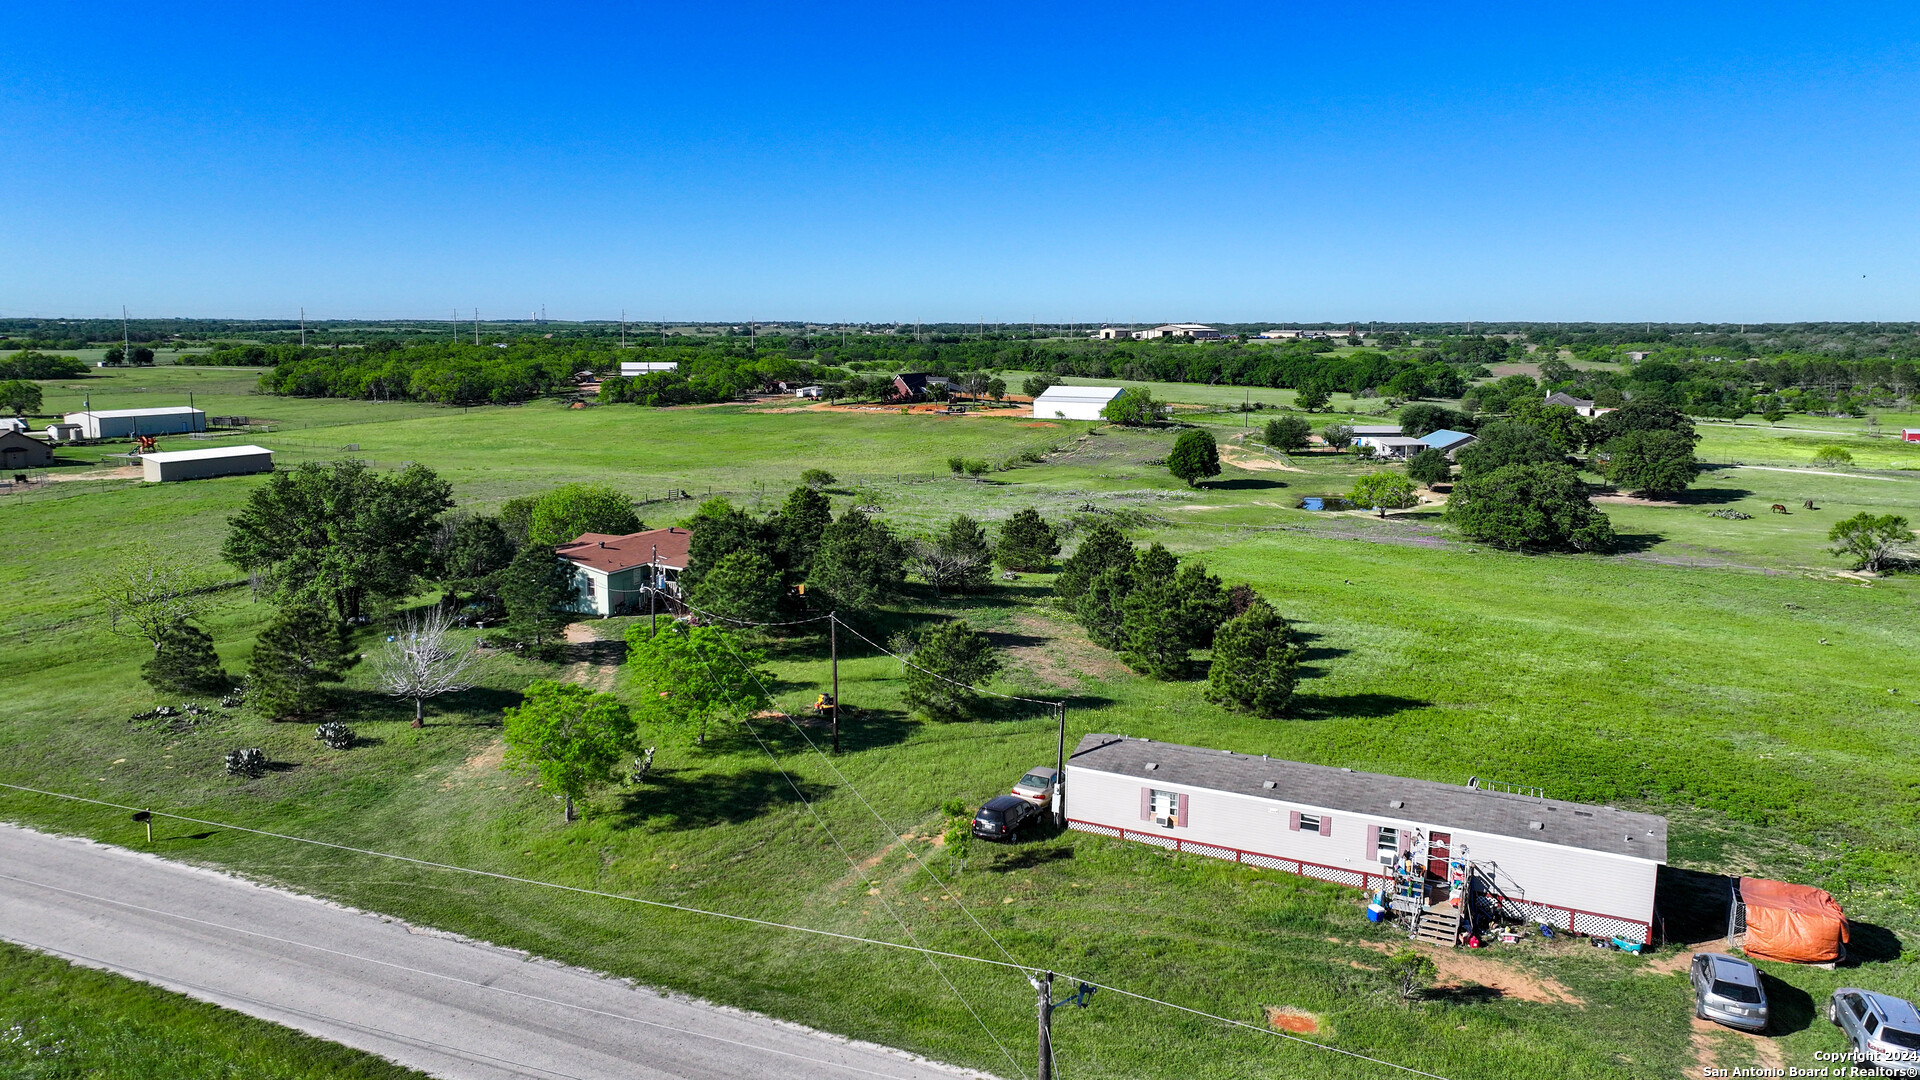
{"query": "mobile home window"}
pixel 1389 845
pixel 1309 822
pixel 1165 808
pixel 589 578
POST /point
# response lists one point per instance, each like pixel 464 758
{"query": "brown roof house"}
pixel 22 451
pixel 621 575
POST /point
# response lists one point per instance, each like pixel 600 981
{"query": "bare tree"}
pixel 151 594
pixel 424 660
pixel 944 566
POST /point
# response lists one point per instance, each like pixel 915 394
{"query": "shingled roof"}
pixel 610 554
pixel 1456 806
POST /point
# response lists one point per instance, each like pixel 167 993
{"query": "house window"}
pixel 589 590
pixel 1389 846
pixel 1165 808
pixel 1309 822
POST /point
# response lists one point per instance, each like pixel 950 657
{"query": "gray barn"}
pixel 213 461
pixel 1587 868
pixel 126 423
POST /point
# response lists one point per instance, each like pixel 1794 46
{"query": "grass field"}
pixel 59 1021
pixel 1768 714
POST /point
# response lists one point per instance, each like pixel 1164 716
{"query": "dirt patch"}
pixel 1633 500
pixel 487 761
pixel 1041 423
pixel 1243 459
pixel 595 660
pixel 1060 654
pixel 1456 968
pixel 1709 1041
pixel 1670 965
pixel 121 472
pixel 1298 1021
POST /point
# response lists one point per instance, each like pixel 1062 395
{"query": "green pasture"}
pixel 60 1020
pixel 1768 714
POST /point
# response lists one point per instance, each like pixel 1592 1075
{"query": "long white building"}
pixel 126 423
pixel 1073 402
pixel 1590 869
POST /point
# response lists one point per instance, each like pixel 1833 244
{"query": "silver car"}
pixel 1883 1030
pixel 1727 990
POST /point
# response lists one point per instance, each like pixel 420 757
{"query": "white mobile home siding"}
pixel 1614 893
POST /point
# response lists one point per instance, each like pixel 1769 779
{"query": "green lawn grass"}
pixel 1704 694
pixel 58 1020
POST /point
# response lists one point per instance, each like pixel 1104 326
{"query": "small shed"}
pixel 1391 446
pixel 1073 402
pixel 1517 854
pixel 126 423
pixel 1778 920
pixel 63 432
pixel 167 465
pixel 1908 434
pixel 19 450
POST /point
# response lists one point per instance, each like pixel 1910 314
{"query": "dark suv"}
pixel 1003 817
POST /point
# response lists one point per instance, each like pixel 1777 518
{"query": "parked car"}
pixel 1003 817
pixel 1727 990
pixel 1884 1030
pixel 1038 785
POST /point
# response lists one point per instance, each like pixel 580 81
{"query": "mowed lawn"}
pixel 1755 710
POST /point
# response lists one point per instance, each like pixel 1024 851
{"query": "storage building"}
pixel 19 450
pixel 1511 855
pixel 1447 441
pixel 199 464
pixel 125 423
pixel 1073 402
pixel 630 368
pixel 616 573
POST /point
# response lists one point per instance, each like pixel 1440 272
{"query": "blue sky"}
pixel 1742 162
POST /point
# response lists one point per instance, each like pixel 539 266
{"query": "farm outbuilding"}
pixel 1908 434
pixel 629 368
pixel 1500 854
pixel 14 423
pixel 1073 402
pixel 615 573
pixel 19 450
pixel 125 423
pixel 64 432
pixel 1447 441
pixel 168 465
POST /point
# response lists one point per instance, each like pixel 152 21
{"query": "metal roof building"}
pixel 1073 402
pixel 125 423
pixel 1588 868
pixel 167 465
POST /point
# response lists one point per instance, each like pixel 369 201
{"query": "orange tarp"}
pixel 1796 923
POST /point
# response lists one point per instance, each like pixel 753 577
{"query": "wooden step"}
pixel 1438 928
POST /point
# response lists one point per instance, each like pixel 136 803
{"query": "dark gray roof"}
pixel 1596 828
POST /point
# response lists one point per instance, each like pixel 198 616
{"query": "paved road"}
pixel 446 1006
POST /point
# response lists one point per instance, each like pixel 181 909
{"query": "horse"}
pixel 1779 509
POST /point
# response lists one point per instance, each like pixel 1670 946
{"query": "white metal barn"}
pixel 1590 869
pixel 124 423
pixel 1073 402
pixel 213 461
pixel 630 368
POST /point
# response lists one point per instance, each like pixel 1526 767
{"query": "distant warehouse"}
pixel 213 461
pixel 1073 402
pixel 630 368
pixel 124 423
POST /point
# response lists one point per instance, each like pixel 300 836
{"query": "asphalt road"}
pixel 447 1006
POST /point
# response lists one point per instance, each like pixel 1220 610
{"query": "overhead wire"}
pixel 686 909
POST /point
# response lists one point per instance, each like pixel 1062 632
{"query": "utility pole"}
pixel 126 338
pixel 1045 985
pixel 653 593
pixel 623 328
pixel 303 327
pixel 476 326
pixel 1060 770
pixel 833 651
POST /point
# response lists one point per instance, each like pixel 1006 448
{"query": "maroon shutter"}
pixel 1373 840
pixel 1326 825
pixel 1146 804
pixel 1293 820
pixel 1180 814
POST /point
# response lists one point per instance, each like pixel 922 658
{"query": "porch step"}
pixel 1438 928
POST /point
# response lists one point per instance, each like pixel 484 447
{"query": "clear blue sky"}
pixel 1000 161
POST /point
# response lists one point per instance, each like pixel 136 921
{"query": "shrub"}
pixel 1027 542
pixel 818 478
pixel 1873 542
pixel 1650 462
pixel 184 663
pixel 1288 433
pixel 248 762
pixel 334 735
pixel 301 649
pixel 1256 662
pixel 1383 491
pixel 1134 407
pixel 947 661
pixel 1832 454
pixel 1338 436
pixel 1104 548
